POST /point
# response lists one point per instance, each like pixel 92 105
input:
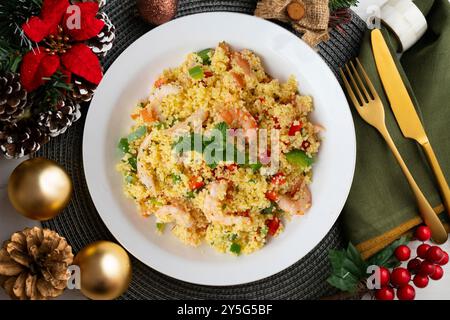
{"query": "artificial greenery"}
pixel 10 56
pixel 349 269
pixel 52 92
pixel 13 14
pixel 14 44
pixel 341 4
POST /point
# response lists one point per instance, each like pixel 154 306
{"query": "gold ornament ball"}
pixel 39 189
pixel 105 270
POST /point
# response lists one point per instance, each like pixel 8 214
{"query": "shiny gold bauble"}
pixel 105 270
pixel 39 189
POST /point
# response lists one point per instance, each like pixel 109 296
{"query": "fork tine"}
pixel 361 83
pixel 355 101
pixel 366 77
pixel 355 86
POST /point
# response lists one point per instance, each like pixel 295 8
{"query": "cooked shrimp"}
pixel 175 213
pixel 157 96
pixel 239 118
pixel 318 128
pixel 226 48
pixel 143 175
pixel 239 79
pixel 242 63
pixel 299 203
pixel 195 119
pixel 212 206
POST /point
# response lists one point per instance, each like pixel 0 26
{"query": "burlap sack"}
pixel 313 26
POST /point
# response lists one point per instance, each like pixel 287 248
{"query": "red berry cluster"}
pixel 426 265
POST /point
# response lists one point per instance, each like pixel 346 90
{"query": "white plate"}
pixel 129 80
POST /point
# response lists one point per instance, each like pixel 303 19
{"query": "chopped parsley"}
pixel 205 56
pixel 232 237
pixel 133 163
pixel 235 248
pixel 175 178
pixel 123 145
pixel 190 194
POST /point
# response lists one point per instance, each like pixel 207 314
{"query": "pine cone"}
pixel 83 90
pixel 56 121
pixel 101 44
pixel 20 138
pixel 13 97
pixel 34 264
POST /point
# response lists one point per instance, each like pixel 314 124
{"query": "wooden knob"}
pixel 295 10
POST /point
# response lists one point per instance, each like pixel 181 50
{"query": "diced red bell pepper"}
pixel 305 145
pixel 195 183
pixel 276 123
pixel 278 179
pixel 272 195
pixel 296 126
pixel 245 213
pixel 207 74
pixel 273 225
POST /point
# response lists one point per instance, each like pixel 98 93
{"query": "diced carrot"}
pixel 159 82
pixel 134 116
pixel 147 115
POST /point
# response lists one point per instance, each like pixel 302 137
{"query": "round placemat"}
pixel 81 224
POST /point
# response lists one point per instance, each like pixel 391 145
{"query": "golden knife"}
pixel 404 110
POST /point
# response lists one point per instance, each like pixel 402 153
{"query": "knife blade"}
pixel 401 103
pixel 403 108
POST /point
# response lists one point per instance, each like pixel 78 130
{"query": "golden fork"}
pixel 370 108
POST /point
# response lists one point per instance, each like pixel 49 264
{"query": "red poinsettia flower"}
pixel 60 31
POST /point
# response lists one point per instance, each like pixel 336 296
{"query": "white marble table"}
pixel 11 221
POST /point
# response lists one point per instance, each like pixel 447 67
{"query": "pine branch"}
pixel 10 56
pixel 13 14
pixel 341 4
pixel 52 92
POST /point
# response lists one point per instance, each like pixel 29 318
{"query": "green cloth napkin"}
pixel 381 205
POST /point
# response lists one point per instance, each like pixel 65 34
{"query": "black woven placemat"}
pixel 81 224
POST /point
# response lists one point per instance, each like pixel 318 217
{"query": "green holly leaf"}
pixel 349 268
pixel 355 257
pixel 347 283
pixel 386 258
